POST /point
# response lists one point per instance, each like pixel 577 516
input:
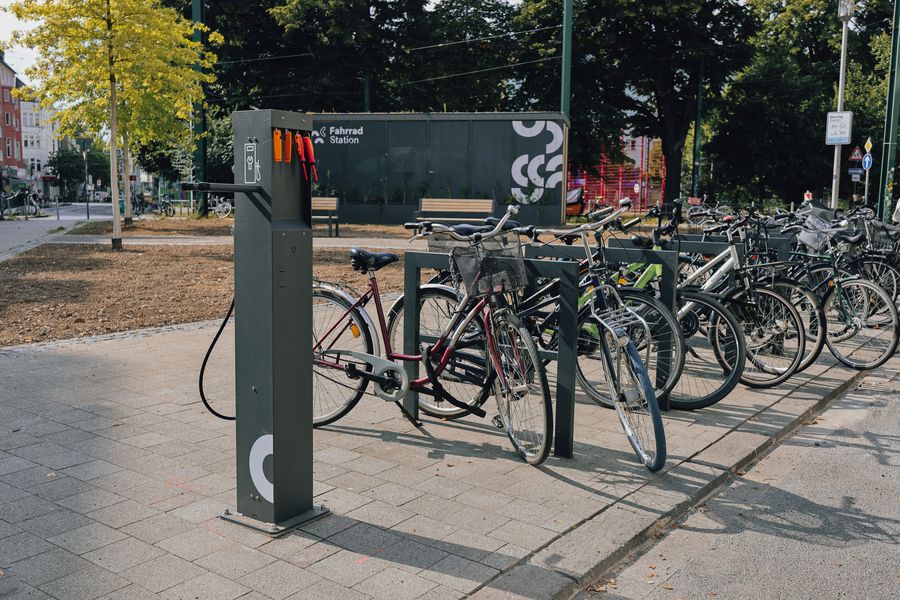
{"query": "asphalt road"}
pixel 817 518
pixel 78 211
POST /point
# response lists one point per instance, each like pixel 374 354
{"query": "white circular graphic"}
pixel 258 452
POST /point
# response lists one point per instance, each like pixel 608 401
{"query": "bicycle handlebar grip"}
pixel 600 213
pixel 412 225
pixel 630 224
pixel 476 237
pixel 513 209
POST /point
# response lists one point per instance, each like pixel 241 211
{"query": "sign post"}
pixel 867 162
pixel 838 127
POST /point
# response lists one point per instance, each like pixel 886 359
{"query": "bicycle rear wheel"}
pixel 773 333
pixel 809 308
pixel 336 327
pixel 862 323
pixel 710 332
pixel 521 388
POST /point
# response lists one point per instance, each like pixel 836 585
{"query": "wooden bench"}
pixel 329 207
pixel 458 210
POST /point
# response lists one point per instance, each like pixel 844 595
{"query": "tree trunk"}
pixel 113 158
pixel 126 155
pixel 673 157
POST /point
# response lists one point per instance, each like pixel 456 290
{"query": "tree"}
pixel 67 164
pixel 97 57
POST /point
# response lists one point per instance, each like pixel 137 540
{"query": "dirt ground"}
pixel 57 292
pixel 213 226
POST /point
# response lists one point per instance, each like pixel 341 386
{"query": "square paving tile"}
pixel 48 566
pixel 206 587
pixel 124 554
pixel 87 538
pixel 235 561
pixel 85 584
pixel 279 580
pixel 395 584
pixel 162 573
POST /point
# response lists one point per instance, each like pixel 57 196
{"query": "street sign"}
pixel 807 196
pixel 868 145
pixel 855 171
pixel 856 154
pixel 637 188
pixel 856 177
pixel 867 161
pixel 838 127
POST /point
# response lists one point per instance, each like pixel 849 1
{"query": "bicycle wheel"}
pixel 862 323
pixel 521 388
pixel 810 310
pixel 665 333
pixel 466 376
pixel 170 210
pixel 882 273
pixel 223 209
pixel 336 327
pixel 773 333
pixel 710 331
pixel 638 410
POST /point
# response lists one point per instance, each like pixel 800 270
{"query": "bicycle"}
pixel 484 345
pixel 221 206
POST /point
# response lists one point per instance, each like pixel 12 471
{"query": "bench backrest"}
pixel 324 204
pixel 457 205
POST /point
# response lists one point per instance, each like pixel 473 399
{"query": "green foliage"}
pixel 67 164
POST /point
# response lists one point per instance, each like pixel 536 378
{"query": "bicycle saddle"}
pixel 364 261
pixel 469 230
pixel 492 221
pixel 642 241
pixel 846 236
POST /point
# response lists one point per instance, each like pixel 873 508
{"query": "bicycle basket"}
pixel 492 266
pixel 814 234
pixel 882 236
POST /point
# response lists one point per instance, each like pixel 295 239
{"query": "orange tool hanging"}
pixel 310 156
pixel 288 144
pixel 276 144
pixel 298 139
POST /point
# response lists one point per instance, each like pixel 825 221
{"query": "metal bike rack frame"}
pixel 567 272
pixel 781 243
pixel 273 304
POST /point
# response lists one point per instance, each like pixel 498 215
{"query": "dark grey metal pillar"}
pixel 273 317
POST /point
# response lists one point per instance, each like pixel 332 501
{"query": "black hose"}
pixel 206 359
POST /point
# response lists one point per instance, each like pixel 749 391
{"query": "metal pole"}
pixel 87 199
pixel 866 192
pixel 198 15
pixel 698 122
pixel 836 172
pixel 889 152
pixel 566 77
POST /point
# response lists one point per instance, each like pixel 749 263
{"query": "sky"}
pixel 18 58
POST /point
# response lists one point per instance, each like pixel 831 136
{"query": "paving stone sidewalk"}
pixel 112 477
pixel 218 240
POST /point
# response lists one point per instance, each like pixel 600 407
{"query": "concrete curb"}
pixel 579 556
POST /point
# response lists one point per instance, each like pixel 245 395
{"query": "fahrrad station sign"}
pixel 838 127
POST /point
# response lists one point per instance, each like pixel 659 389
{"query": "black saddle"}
pixel 846 236
pixel 365 261
pixel 642 241
pixel 469 230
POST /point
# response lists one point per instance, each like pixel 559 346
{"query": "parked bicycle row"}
pixel 740 315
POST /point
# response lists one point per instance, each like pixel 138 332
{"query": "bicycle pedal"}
pixel 497 422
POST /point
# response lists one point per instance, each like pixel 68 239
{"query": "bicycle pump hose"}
pixel 206 359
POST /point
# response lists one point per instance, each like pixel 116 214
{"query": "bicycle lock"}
pixel 273 295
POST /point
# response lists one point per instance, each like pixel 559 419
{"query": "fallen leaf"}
pixel 666 586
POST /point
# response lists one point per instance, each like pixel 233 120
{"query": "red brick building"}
pixel 12 161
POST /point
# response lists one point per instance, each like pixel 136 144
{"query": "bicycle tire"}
pixel 884 320
pixel 334 393
pixel 772 329
pixel 463 366
pixel 880 271
pixel 664 329
pixel 636 405
pixel 810 310
pixel 704 380
pixel 516 354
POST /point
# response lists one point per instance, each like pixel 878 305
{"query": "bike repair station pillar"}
pixel 273 320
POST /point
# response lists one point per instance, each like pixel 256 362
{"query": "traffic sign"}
pixel 807 196
pixel 867 162
pixel 856 154
pixel 838 127
pixel 868 145
pixel 856 177
pixel 855 171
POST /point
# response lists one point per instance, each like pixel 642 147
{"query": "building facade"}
pixel 38 143
pixel 12 162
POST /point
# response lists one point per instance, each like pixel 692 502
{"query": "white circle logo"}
pixel 258 452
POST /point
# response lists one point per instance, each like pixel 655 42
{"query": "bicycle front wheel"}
pixel 336 327
pixel 710 333
pixel 810 310
pixel 638 411
pixel 521 388
pixel 861 323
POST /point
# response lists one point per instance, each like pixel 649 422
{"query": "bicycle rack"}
pixel 567 272
pixel 273 300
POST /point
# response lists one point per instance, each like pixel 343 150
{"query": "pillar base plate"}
pixel 277 529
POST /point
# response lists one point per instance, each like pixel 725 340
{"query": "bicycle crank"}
pixel 390 379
